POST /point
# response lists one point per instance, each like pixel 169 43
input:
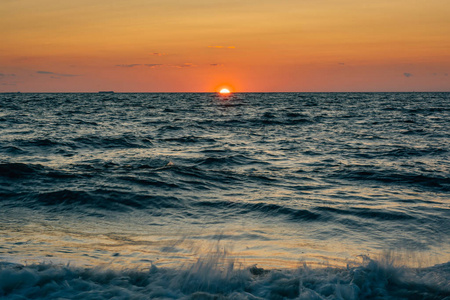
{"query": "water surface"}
pixel 273 179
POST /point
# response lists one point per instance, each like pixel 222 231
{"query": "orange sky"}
pixel 202 45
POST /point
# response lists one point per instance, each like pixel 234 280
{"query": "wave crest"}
pixel 213 277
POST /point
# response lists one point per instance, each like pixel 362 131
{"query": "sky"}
pixel 205 45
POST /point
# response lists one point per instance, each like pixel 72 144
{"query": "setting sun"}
pixel 224 91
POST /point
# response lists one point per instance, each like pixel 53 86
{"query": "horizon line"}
pixel 285 92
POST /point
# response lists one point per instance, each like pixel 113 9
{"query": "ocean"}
pixel 240 196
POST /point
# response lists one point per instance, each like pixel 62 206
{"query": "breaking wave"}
pixel 214 277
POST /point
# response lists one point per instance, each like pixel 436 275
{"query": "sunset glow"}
pixel 190 46
pixel 224 149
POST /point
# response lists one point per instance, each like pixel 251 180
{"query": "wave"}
pixel 264 208
pixel 101 199
pixel 216 277
pixel 397 177
pixel 364 213
pixel 14 150
pixel 19 171
pixel 409 152
pixel 92 141
pixel 105 142
pixel 229 160
pixel 39 142
pixel 189 139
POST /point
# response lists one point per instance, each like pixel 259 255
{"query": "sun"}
pixel 224 91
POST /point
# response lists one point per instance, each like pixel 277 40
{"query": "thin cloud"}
pixel 185 65
pixel 7 75
pixel 222 47
pixel 56 74
pixel 128 66
pixel 139 65
pixel 152 65
pixel 158 54
pixel 407 74
pixel 216 65
pixel 439 74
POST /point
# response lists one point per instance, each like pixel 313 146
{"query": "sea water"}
pixel 245 196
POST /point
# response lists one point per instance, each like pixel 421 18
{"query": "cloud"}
pixel 158 54
pixel 216 65
pixel 56 74
pixel 222 47
pixel 185 65
pixel 439 74
pixel 139 65
pixel 152 65
pixel 7 75
pixel 407 74
pixel 129 66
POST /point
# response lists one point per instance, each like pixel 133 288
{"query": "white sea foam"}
pixel 214 277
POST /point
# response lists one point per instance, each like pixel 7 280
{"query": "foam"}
pixel 214 277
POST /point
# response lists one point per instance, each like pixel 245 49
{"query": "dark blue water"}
pixel 188 191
